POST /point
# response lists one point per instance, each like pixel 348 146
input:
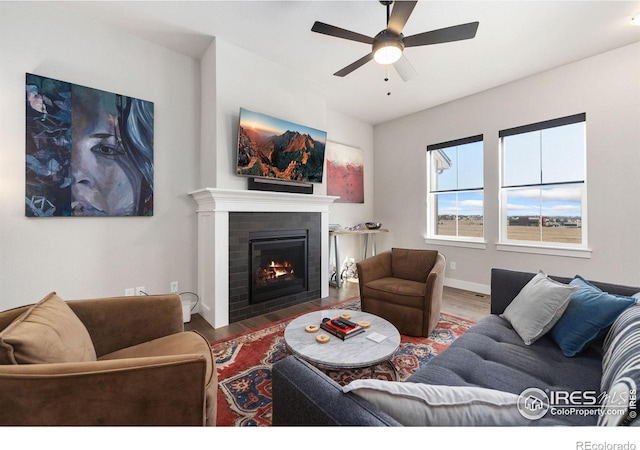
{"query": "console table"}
pixel 366 232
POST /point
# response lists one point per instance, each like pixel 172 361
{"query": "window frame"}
pixel 431 210
pixel 581 249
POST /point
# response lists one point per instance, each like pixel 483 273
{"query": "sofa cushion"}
pixel 48 332
pixel 538 306
pixel 303 395
pixel 416 404
pixel 590 312
pixel 492 355
pixel 621 369
pixel 188 342
pixel 410 264
pixel 396 290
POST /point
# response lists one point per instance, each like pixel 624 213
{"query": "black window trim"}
pixel 568 120
pixel 456 142
pixel 541 185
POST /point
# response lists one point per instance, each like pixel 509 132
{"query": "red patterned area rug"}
pixel 244 365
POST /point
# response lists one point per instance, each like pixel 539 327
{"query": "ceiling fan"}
pixel 387 46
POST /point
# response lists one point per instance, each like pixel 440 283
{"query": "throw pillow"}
pixel 589 314
pixel 48 332
pixel 621 370
pixel 416 404
pixel 537 307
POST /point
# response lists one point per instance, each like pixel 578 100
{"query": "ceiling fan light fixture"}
pixel 387 47
pixel 388 53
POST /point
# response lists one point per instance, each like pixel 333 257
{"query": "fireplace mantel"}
pixel 213 207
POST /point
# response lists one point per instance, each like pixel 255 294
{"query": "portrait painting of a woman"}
pixel 88 152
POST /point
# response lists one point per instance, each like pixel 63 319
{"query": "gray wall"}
pixel 606 88
pixel 91 257
pixel 88 257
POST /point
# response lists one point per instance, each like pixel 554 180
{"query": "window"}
pixel 543 193
pixel 456 189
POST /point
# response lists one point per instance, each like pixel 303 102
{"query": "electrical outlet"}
pixel 129 292
pixel 452 265
pixel 174 287
pixel 140 290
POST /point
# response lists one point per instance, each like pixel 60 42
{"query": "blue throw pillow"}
pixel 590 312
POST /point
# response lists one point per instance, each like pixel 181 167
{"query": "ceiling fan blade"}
pixel 331 30
pixel 405 69
pixel 450 34
pixel 400 14
pixel 353 66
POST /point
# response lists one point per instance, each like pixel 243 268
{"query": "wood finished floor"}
pixel 464 304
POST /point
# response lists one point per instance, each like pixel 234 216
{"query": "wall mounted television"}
pixel 269 147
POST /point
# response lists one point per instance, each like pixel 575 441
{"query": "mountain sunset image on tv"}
pixel 273 148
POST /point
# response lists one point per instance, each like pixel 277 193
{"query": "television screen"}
pixel 274 148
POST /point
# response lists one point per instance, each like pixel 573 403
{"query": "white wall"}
pixel 246 80
pixel 85 257
pixel 89 257
pixel 234 78
pixel 346 130
pixel 606 88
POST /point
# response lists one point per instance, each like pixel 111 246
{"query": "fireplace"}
pixel 278 261
pixel 225 218
pixel 292 241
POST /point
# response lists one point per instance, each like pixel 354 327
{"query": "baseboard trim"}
pixel 468 286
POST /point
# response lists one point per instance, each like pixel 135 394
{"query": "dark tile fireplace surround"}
pixel 244 225
pixel 221 212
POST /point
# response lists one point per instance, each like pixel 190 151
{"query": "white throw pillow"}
pixel 417 404
pixel 538 307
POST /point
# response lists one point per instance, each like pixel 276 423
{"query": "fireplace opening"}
pixel 278 264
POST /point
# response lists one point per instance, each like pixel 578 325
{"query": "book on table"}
pixel 341 328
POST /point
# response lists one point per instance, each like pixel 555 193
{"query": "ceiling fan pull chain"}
pixel 386 77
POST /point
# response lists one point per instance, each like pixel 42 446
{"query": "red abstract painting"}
pixel 345 173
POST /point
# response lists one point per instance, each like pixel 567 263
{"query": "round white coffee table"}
pixel 354 352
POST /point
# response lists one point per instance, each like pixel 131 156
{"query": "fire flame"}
pixel 281 269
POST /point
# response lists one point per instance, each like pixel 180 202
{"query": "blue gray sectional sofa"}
pixel 492 355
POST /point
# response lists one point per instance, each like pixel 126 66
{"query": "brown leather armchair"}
pixel 146 370
pixel 404 286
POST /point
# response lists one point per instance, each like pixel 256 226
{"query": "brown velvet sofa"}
pixel 147 369
pixel 403 286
